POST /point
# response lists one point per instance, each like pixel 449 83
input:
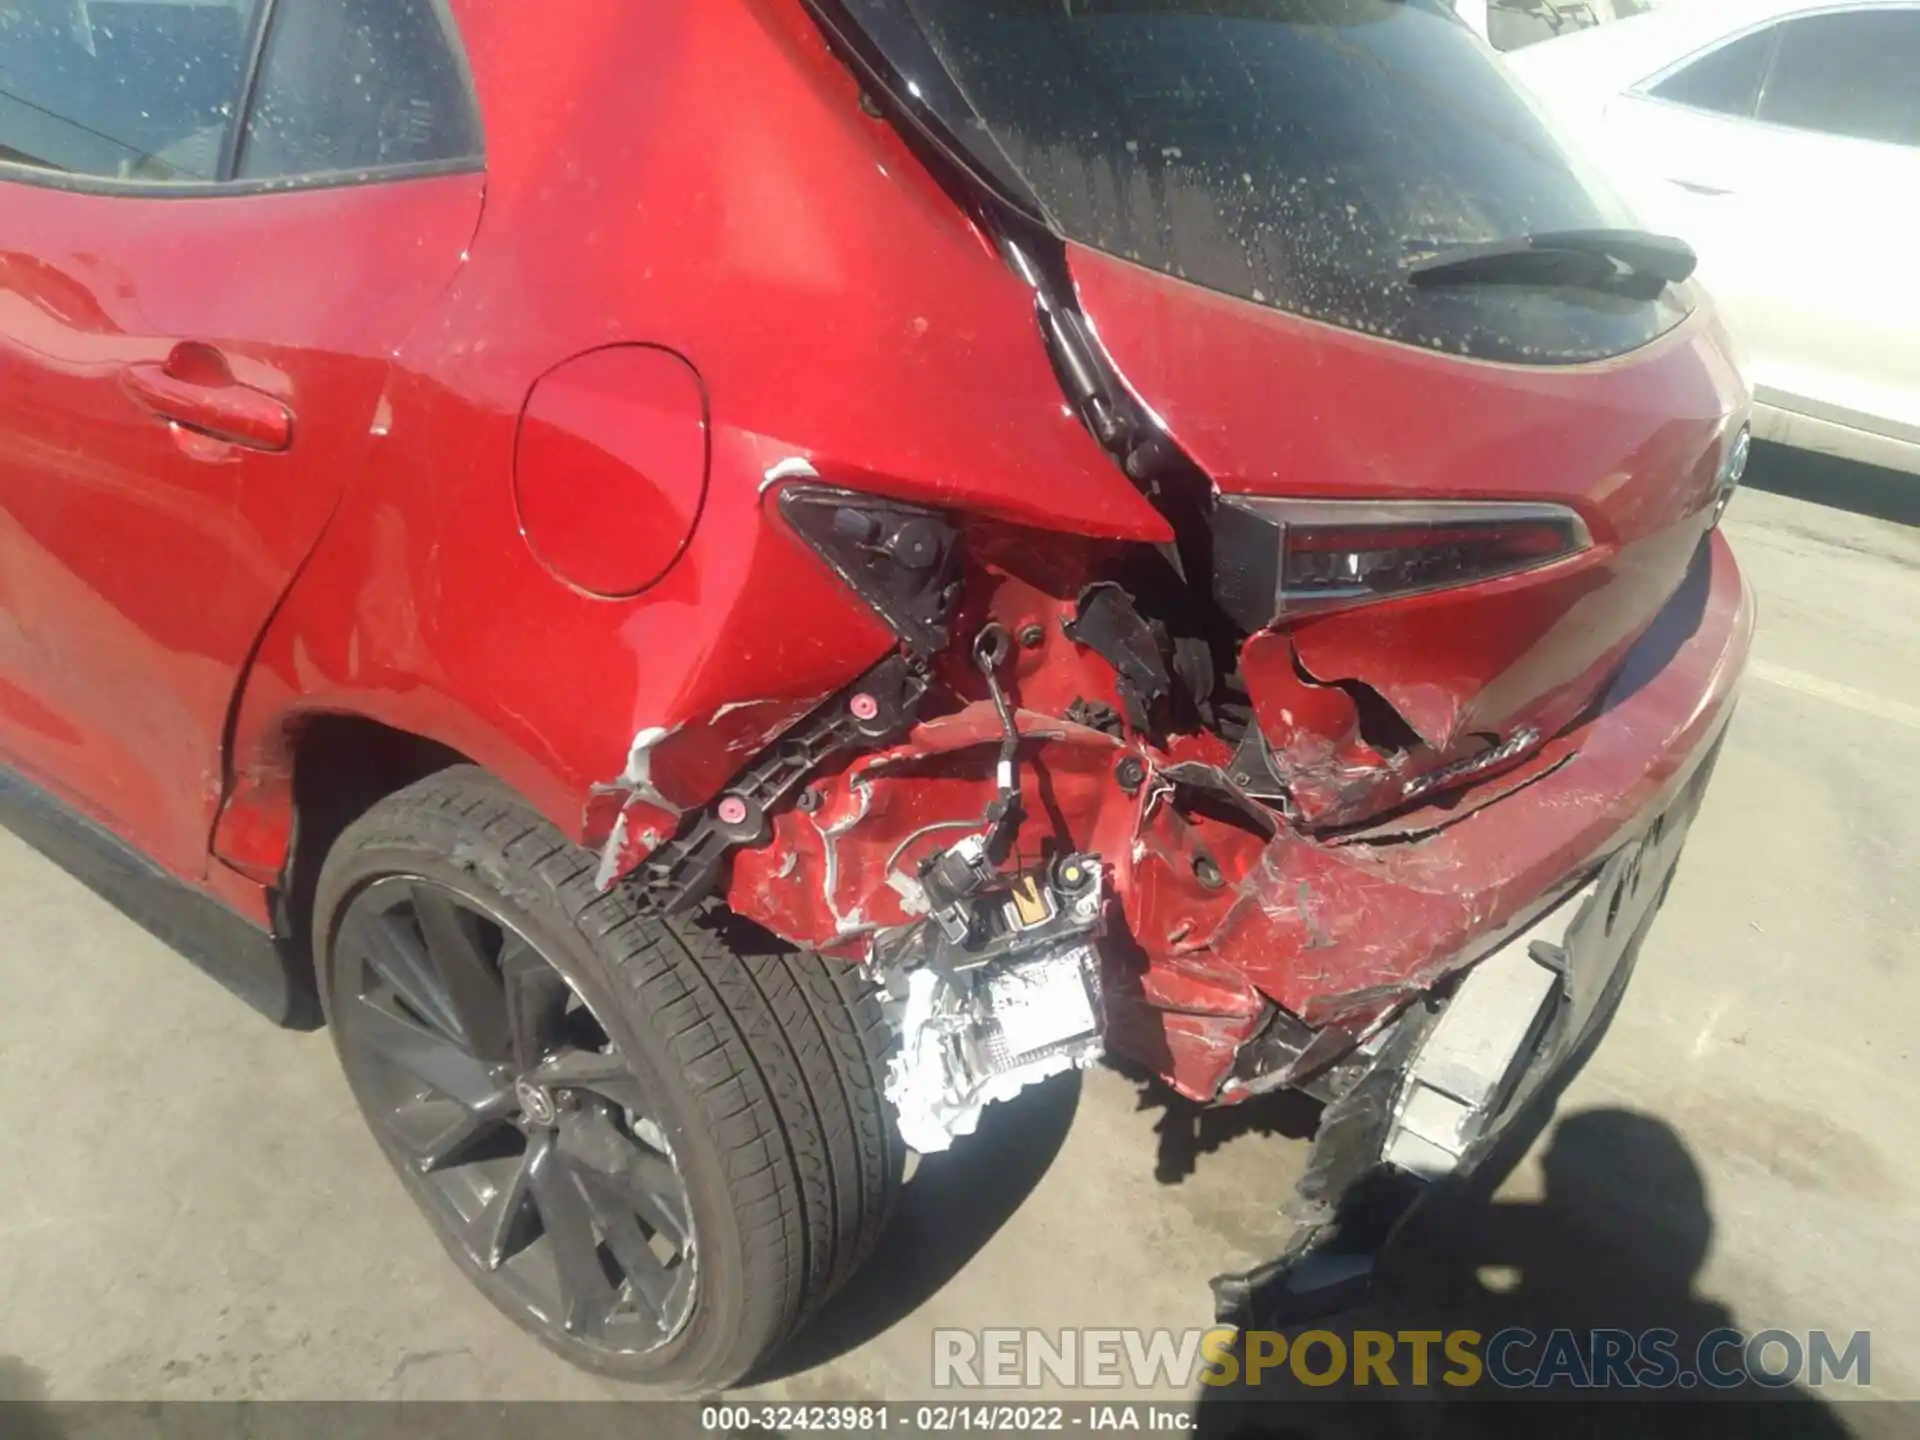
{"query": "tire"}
pixel 748 1073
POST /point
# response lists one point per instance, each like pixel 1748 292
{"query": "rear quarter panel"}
pixel 696 175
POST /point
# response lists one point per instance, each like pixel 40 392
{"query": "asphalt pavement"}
pixel 191 1209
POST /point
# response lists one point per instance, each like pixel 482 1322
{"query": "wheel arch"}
pixel 278 821
pixel 343 765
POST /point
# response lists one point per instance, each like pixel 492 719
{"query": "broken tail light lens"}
pixel 1277 559
pixel 902 560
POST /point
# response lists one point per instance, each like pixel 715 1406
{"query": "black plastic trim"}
pixel 915 591
pixel 268 973
pixel 216 190
pixel 243 102
pixel 891 52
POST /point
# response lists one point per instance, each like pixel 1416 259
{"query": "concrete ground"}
pixel 190 1207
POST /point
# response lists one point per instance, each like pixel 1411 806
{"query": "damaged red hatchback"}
pixel 736 580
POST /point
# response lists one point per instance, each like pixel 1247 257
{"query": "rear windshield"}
pixel 1297 153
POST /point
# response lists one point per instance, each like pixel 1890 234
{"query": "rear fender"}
pixel 898 329
pixel 424 610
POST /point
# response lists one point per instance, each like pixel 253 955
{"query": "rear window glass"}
pixel 1298 153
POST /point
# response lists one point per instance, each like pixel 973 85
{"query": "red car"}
pixel 727 582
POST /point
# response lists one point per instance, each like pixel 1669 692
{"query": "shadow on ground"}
pixel 1616 1241
pixel 952 1207
pixel 1828 480
pixel 23 1409
pixel 1186 1130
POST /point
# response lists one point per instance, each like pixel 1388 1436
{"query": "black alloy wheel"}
pixel 482 1069
pixel 657 1143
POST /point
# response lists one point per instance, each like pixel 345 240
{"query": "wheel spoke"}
pixel 645 1271
pixel 536 996
pixel 463 1131
pixel 662 1200
pixel 646 1183
pixel 586 1295
pixel 586 1069
pixel 662 1289
pixel 588 1137
pixel 423 1054
pixel 505 1227
pixel 452 935
pixel 575 1069
pixel 397 957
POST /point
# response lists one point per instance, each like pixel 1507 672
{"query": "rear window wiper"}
pixel 1633 262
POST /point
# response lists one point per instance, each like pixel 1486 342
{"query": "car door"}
pixel 221 217
pixel 1837 331
pixel 1688 150
pixel 1789 156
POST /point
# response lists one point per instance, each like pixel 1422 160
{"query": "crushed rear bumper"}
pixel 1441 1086
pixel 1387 914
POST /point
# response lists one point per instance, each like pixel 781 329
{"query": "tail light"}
pixel 1275 560
pixel 902 560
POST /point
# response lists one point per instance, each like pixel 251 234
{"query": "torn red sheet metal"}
pixel 670 770
pixel 1218 916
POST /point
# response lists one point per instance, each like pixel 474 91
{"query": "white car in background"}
pixel 1781 139
pixel 1510 24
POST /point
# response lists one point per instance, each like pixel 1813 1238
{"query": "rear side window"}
pixel 122 89
pixel 350 85
pixel 1726 80
pixel 1854 74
